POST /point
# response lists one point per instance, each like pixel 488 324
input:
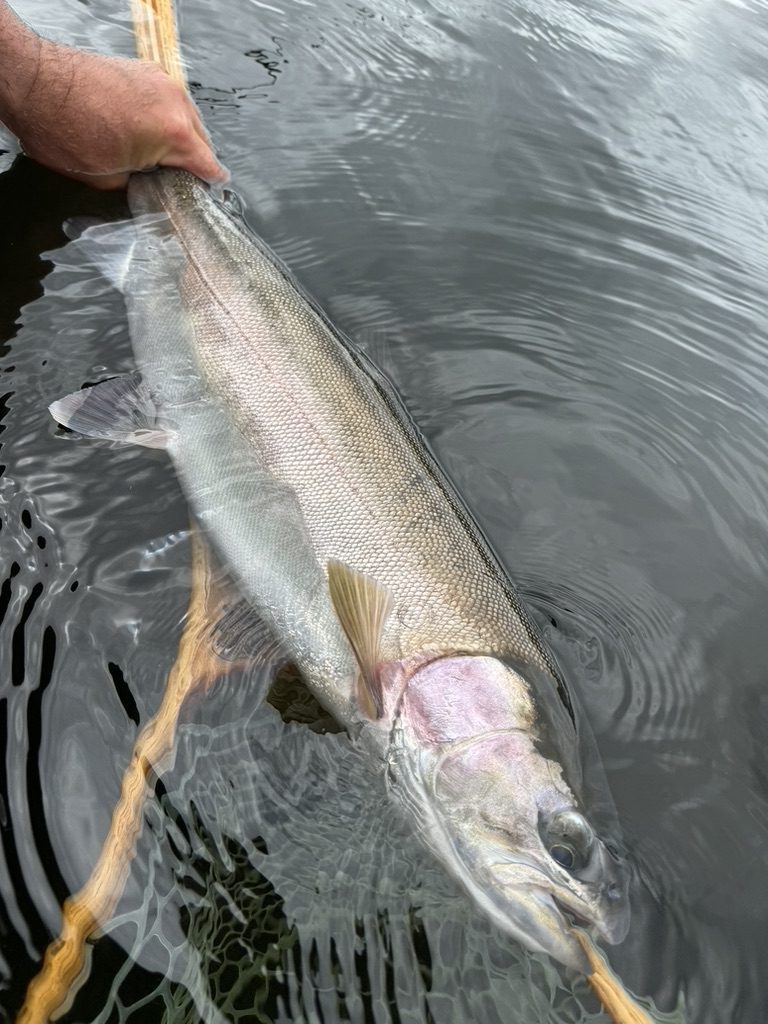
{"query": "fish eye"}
pixel 569 838
pixel 563 855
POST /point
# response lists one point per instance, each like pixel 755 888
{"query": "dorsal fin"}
pixel 362 606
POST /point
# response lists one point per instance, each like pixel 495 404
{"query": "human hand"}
pixel 97 118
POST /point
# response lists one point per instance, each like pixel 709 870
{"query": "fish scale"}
pixel 323 424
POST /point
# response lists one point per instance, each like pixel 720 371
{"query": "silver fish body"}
pixel 296 455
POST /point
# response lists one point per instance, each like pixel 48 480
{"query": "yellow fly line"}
pixel 617 1001
pixel 196 666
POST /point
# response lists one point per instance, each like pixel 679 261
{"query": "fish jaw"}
pixel 526 901
pixel 530 914
pixel 493 808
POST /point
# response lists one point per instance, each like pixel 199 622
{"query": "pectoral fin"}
pixel 119 409
pixel 362 607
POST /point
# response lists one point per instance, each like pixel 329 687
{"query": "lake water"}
pixel 547 221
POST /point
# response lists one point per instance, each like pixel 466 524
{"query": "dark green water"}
pixel 546 221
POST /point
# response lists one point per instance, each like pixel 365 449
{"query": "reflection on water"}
pixel 547 222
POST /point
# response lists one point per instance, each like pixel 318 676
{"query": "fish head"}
pixel 502 814
pixel 536 866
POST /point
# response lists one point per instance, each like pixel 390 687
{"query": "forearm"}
pixel 21 55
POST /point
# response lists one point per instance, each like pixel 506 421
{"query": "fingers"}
pixel 215 173
pixel 197 122
pixel 103 182
pixel 198 159
pixel 194 154
pixel 204 164
pixel 189 145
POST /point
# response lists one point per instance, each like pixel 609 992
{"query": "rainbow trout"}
pixel 350 545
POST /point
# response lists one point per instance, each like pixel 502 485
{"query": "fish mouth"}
pixel 550 927
pixel 530 912
pixel 565 945
pixel 611 928
pixel 574 921
pixel 573 917
pixel 549 919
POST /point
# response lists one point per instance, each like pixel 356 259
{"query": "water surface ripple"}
pixel 546 221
